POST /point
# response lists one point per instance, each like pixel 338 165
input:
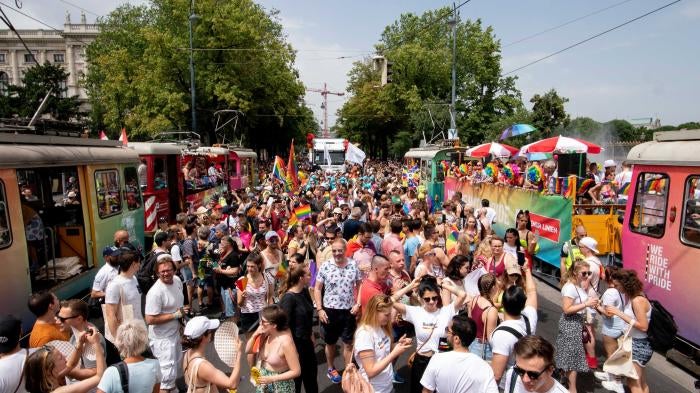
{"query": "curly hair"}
pixel 630 284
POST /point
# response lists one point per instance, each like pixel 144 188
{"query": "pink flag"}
pixel 103 136
pixel 122 138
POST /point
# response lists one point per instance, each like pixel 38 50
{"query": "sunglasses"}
pixel 431 299
pixel 64 319
pixel 533 375
pixel 586 273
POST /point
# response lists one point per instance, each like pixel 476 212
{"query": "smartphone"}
pixel 521 258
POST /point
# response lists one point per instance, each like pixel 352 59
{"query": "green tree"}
pixel 624 131
pixel 548 112
pixel 692 125
pixel 581 127
pixel 139 75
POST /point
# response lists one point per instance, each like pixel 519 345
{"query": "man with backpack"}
pixel 146 274
pixel 520 319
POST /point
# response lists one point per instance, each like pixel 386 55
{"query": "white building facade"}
pixel 65 48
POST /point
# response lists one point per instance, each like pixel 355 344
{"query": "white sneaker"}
pixel 614 386
pixel 602 376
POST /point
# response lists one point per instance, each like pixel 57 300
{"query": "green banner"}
pixel 550 214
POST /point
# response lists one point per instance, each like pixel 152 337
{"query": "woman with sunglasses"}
pixel 46 368
pixel 570 354
pixel 429 320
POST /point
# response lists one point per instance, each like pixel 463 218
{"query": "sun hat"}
pixel 590 243
pixel 197 326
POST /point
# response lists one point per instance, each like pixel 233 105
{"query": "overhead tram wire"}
pixel 9 24
pixel 37 20
pixel 563 24
pixel 591 38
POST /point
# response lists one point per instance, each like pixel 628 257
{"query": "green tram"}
pixel 428 162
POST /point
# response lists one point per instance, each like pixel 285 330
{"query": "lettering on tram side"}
pixel 656 271
pixel 548 228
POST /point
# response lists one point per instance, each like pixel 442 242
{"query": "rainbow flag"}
pixel 278 170
pixel 451 241
pixel 585 186
pixel 302 212
pixel 293 220
pixel 282 269
pixel 625 189
pixel 656 185
pixel 292 171
pixel 568 188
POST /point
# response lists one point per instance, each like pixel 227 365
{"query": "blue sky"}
pixel 649 68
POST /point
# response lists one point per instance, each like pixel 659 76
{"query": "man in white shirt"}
pixel 534 365
pixel 164 303
pixel 122 290
pixel 12 357
pixel 589 249
pixel 520 319
pixel 106 273
pixel 458 371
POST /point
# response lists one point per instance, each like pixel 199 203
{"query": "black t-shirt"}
pixel 233 259
pixel 300 311
pixel 350 228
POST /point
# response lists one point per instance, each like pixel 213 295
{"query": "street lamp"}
pixel 193 18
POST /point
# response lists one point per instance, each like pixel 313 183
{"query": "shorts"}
pixel 169 359
pixel 187 276
pixel 206 282
pixel 227 296
pixel 249 320
pixel 612 329
pixel 641 351
pixel 341 324
pixel 483 351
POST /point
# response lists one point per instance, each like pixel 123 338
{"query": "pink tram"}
pixel 661 232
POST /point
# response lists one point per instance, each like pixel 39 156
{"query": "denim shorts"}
pixel 187 276
pixel 476 347
pixel 226 294
pixel 612 327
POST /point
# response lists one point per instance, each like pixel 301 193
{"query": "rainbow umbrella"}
pixel 517 129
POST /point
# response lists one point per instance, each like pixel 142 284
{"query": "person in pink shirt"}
pixel 392 241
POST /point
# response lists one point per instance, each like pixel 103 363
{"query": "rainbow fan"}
pixel 463 169
pixel 534 173
pixel 507 173
pixel 491 170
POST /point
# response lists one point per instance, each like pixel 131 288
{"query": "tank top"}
pixel 272 360
pixel 478 317
pixel 636 333
pixel 256 298
pixel 498 267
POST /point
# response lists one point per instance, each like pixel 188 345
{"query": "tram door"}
pixel 53 213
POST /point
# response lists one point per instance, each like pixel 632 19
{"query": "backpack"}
pixel 112 356
pixel 514 332
pixel 146 274
pixel 662 328
pixel 123 375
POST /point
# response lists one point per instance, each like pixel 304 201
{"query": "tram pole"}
pixel 453 114
pixel 193 18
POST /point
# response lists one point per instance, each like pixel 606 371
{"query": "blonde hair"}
pixel 132 338
pixel 575 269
pixel 376 304
pixel 483 249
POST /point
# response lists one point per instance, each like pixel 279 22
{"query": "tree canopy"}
pixel 139 72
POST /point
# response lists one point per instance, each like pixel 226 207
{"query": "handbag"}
pixel 354 382
pixel 620 362
pixel 413 355
pixel 125 312
pixel 585 334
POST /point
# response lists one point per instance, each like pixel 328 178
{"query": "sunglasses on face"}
pixel 64 319
pixel 585 274
pixel 533 375
pixel 431 299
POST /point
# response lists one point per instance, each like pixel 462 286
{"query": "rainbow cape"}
pixel 585 186
pixel 451 241
pixel 625 189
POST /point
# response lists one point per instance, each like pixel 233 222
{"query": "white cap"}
pixel 609 163
pixel 200 325
pixel 590 243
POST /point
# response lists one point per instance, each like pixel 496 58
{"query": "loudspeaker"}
pixel 572 164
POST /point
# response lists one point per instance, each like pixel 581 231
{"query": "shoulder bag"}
pixel 125 312
pixel 620 362
pixel 413 355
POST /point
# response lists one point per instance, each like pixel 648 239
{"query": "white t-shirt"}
pixel 595 266
pixel 520 388
pixel 613 297
pixel 367 338
pixel 175 253
pixel 10 370
pixel 579 295
pixel 103 277
pixel 471 281
pixel 130 289
pixel 502 342
pixel 142 377
pixel 458 372
pixel 424 322
pixel 164 299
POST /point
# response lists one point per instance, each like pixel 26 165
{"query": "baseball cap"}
pixel 201 210
pixel 337 210
pixel 270 234
pixel 609 163
pixel 513 269
pixel 197 326
pixel 590 243
pixel 109 251
pixel 10 330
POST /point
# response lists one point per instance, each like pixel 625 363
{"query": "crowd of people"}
pixel 364 257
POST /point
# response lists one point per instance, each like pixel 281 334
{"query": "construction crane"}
pixel 324 92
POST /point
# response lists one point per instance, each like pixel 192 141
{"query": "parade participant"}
pixel 613 326
pixel 373 344
pixel 144 375
pixel 589 248
pixel 392 240
pixel 528 240
pixel 200 374
pixel 190 259
pixel 164 309
pixel 429 264
pixel 299 307
pixel 621 180
pixel 485 316
pixel 570 251
pixel 205 269
pixel 500 260
pixel 297 243
pixel 376 237
pixel 471 232
pixel 429 320
pixel 337 305
pixel 513 246
pixel 361 249
pixel 325 252
pixel 376 281
pixel 411 244
pixel 105 275
pixel 519 319
pixel 277 357
pixel 255 294
pixel 637 314
pixel 570 354
pixel 455 272
pixel 12 357
pixel 45 368
pixel 534 366
pixel 458 370
pixel 272 255
pixel 45 305
pixel 73 316
pixel 227 272
pixel 351 226
pixel 123 289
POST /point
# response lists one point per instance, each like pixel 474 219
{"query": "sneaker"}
pixel 614 386
pixel 334 375
pixel 396 378
pixel 601 376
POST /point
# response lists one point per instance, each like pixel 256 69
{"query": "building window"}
pixel 29 58
pixel 4 83
pixel 58 58
pixel 64 89
pixel 2 58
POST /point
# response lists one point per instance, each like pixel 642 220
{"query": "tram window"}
pixel 160 173
pixel 440 175
pixel 233 167
pixel 108 192
pixel 690 232
pixel 5 230
pixel 133 191
pixel 650 201
pixel 244 166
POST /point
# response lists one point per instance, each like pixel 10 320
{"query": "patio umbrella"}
pixel 517 129
pixel 561 144
pixel 497 149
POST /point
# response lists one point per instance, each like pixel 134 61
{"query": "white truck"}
pixel 329 154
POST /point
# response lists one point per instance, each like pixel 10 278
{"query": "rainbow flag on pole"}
pixel 278 170
pixel 292 178
pixel 302 212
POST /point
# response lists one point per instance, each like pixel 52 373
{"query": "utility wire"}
pixel 562 25
pixel 37 20
pixel 79 7
pixel 591 37
pixel 7 21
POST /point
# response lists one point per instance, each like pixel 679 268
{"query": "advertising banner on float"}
pixel 550 214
